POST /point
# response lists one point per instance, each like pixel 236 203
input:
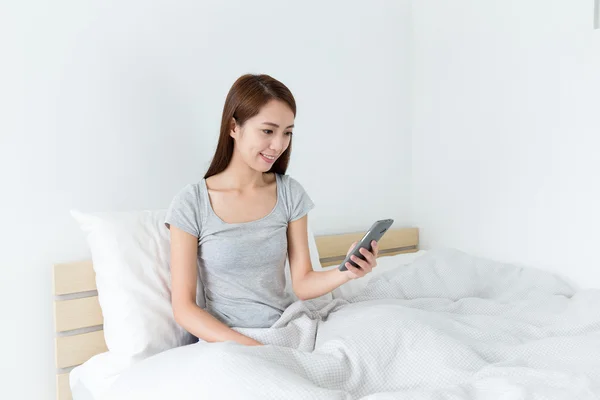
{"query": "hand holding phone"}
pixel 375 232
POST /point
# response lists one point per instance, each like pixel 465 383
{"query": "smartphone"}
pixel 375 232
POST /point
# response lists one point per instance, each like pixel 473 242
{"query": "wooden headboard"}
pixel 78 317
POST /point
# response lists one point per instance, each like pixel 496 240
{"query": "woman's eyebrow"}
pixel 275 125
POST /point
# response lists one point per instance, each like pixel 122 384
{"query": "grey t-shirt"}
pixel 241 266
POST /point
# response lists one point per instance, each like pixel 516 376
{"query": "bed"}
pixel 442 325
pixel 78 317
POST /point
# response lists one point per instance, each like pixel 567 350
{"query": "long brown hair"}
pixel 245 98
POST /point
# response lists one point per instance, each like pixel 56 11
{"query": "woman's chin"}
pixel 261 167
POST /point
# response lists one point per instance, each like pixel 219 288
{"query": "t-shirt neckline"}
pixel 214 214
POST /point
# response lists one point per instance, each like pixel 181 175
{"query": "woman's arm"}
pixel 184 275
pixel 309 284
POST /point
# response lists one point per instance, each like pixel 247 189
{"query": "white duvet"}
pixel 448 326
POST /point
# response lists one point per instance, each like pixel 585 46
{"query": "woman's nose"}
pixel 278 143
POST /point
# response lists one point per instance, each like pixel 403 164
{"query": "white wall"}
pixel 116 106
pixel 506 131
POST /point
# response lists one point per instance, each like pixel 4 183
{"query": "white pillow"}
pixel 313 249
pixel 384 263
pixel 131 254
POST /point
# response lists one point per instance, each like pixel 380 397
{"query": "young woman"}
pixel 239 223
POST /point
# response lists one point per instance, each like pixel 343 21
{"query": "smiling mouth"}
pixel 268 157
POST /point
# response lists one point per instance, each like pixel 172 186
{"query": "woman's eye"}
pixel 267 131
pixel 289 133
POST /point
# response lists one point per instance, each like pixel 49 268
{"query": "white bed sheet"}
pixel 91 380
pixel 449 326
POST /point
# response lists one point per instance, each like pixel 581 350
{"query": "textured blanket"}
pixel 448 326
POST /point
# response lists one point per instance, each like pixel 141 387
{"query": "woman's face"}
pixel 264 137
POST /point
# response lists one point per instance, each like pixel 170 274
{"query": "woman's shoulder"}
pixel 191 192
pixel 297 201
pixel 291 187
pixel 289 182
pixel 186 210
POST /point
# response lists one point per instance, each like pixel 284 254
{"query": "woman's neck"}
pixel 239 175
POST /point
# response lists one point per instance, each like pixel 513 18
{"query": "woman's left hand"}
pixel 365 265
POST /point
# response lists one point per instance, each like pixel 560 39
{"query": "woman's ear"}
pixel 233 128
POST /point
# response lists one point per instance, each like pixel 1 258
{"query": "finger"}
pixel 351 247
pixel 359 261
pixel 368 255
pixel 375 247
pixel 356 271
pixel 363 264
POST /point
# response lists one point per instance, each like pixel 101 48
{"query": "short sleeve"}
pixel 299 201
pixel 185 211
